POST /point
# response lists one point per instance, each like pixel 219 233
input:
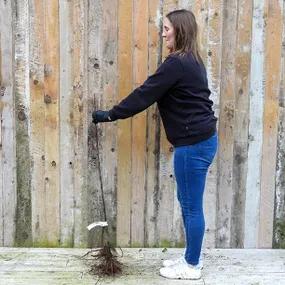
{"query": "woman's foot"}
pixel 181 271
pixel 171 262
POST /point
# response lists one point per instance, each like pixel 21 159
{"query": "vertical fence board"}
pixel 23 211
pixel 109 85
pixel 51 89
pixel 167 189
pixel 270 121
pixel 73 122
pixel 140 71
pixel 67 197
pixel 226 125
pixel 1 168
pixel 202 11
pixel 279 211
pixel 37 121
pixel 153 124
pixel 255 127
pixel 93 201
pixel 125 11
pixel 279 216
pixel 79 119
pixel 7 128
pixel 213 66
pixel 176 234
pixel 241 122
pixel 208 16
pixel 205 20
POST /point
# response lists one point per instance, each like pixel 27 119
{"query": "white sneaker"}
pixel 181 271
pixel 171 262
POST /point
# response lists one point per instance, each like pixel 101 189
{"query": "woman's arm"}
pixel 154 88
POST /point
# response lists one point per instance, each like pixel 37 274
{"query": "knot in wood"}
pixel 47 99
pixel 21 115
pixel 2 90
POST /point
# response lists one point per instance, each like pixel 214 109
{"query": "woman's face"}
pixel 168 34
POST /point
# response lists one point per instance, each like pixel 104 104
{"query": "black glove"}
pixel 101 116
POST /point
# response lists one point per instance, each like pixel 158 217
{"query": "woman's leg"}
pixel 191 164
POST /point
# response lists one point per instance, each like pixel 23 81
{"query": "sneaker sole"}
pixel 201 267
pixel 178 278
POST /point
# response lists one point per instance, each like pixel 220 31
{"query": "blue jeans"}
pixel 191 164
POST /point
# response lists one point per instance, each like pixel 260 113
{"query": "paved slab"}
pixel 34 266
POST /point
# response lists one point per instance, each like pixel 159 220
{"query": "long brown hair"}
pixel 186 33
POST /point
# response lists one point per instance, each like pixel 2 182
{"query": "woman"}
pixel 180 88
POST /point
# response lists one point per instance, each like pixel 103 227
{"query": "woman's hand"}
pixel 101 117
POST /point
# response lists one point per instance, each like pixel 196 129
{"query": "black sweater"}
pixel 180 88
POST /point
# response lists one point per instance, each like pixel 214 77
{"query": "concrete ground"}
pixel 35 266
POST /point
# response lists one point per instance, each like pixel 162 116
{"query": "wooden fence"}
pixel 60 60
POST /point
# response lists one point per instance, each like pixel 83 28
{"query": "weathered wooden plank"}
pixel 279 216
pixel 167 191
pixel 201 12
pixel 209 19
pixel 67 197
pixel 177 230
pixel 37 120
pixel 226 126
pixel 7 138
pixel 255 127
pixel 153 126
pixel 40 98
pixel 213 66
pixel 242 81
pixel 1 168
pixel 93 198
pixel 273 43
pixel 61 266
pixel 79 119
pixel 73 122
pixel 23 235
pixel 279 213
pixel 125 76
pixel 140 72
pixel 51 89
pixel 109 93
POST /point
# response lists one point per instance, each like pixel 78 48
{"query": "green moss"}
pixel 165 243
pixel 179 244
pixel 46 244
pixel 169 244
pixel 23 243
pixel 279 241
pixel 136 245
pixel 67 244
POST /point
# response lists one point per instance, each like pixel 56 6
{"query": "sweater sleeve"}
pixel 153 89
